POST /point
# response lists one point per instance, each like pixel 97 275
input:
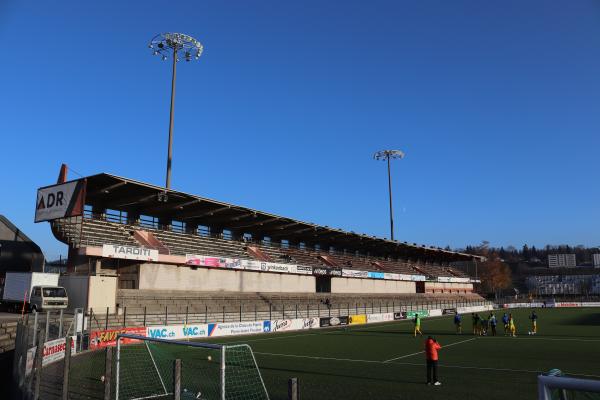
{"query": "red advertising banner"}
pixel 107 338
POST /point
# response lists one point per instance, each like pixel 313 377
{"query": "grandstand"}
pixel 141 245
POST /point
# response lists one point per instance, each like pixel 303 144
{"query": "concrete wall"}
pixel 103 293
pixel 171 277
pixel 97 292
pixel 353 285
pixel 77 290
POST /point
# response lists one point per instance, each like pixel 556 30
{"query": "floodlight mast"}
pixel 169 44
pixel 387 155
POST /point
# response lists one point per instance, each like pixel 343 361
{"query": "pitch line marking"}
pixel 416 364
pixel 542 338
pixel 423 351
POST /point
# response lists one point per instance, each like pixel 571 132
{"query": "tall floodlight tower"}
pixel 387 155
pixel 174 45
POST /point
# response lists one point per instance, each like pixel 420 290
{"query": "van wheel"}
pixel 33 308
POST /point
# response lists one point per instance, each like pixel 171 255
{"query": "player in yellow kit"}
pixel 511 325
pixel 417 322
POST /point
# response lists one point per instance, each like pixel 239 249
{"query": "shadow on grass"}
pixel 586 320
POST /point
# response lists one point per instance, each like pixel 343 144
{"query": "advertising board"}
pixel 129 252
pixel 422 313
pixel 301 269
pixel 209 261
pixel 177 332
pixel 238 328
pixel 108 337
pixel 59 201
pixel 375 275
pixel 281 325
pixel 382 317
pixel 399 315
pixel 357 319
pixel 354 273
pixel 54 350
pixel 332 321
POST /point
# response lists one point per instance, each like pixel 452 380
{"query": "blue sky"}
pixel 494 103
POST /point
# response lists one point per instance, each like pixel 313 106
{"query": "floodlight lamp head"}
pixel 168 44
pixel 387 154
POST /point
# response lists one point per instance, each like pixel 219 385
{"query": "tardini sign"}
pixel 129 252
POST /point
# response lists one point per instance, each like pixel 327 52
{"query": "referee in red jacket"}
pixel 431 353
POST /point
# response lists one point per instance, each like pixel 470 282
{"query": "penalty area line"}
pixel 423 351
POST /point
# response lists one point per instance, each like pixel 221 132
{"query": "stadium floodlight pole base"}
pixel 546 384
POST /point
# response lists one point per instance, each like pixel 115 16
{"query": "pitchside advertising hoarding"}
pixel 422 313
pixel 177 332
pixel 54 350
pixel 282 325
pixel 129 252
pixel 357 319
pixel 383 317
pixel 108 337
pixel 238 328
pixel 332 321
pixel 60 201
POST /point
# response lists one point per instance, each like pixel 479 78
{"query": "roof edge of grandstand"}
pixel 133 194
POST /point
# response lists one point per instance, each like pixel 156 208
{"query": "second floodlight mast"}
pixel 387 155
pixel 168 45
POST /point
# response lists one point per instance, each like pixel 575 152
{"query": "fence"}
pixel 72 367
pixel 98 319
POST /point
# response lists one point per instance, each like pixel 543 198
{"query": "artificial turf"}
pixel 385 361
pixel 350 363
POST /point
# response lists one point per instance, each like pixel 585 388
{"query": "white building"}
pixel 596 259
pixel 561 260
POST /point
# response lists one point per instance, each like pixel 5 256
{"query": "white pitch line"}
pixel 318 358
pixel 417 364
pixel 541 338
pixel 422 351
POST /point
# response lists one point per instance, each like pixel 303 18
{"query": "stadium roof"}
pixel 114 192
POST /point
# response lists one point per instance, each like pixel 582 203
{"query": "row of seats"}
pixel 96 232
pixel 139 301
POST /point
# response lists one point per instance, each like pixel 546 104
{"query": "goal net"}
pixel 146 369
pixel 558 387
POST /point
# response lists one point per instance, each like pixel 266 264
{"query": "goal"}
pixel 146 368
pixel 558 387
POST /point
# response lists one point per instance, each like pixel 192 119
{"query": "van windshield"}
pixel 54 292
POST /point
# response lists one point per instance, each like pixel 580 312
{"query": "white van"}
pixel 48 298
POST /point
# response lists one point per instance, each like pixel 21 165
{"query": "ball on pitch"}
pixel 209 358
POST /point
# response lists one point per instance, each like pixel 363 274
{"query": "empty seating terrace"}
pixel 138 301
pixel 96 232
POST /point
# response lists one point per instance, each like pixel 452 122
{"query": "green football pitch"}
pixel 385 361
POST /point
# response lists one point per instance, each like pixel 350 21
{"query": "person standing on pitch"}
pixel 512 326
pixel 458 323
pixel 493 323
pixel 417 322
pixel 431 354
pixel 505 322
pixel 533 317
